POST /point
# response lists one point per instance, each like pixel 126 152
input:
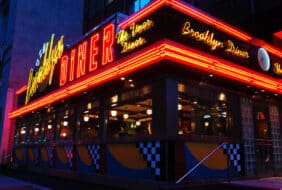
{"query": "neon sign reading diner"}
pixel 44 74
pixel 124 38
pixel 87 56
pixel 209 39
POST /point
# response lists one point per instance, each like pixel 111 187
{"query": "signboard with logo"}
pixel 57 67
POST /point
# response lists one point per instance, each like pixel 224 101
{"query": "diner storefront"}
pixel 150 97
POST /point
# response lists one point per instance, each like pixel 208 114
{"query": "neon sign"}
pixel 277 68
pixel 124 38
pixel 209 39
pixel 42 76
pixel 87 56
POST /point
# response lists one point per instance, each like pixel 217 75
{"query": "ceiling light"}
pixel 113 113
pixel 49 126
pixel 125 116
pixel 65 123
pixel 86 118
pixel 179 107
pixel 149 112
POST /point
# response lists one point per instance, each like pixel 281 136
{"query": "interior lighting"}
pixel 125 116
pixel 149 112
pixel 113 113
pixel 138 123
pixel 86 118
pixel 23 131
pixel 222 97
pixel 65 123
pixel 179 107
pixel 49 126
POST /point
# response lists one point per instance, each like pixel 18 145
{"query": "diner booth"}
pixel 168 94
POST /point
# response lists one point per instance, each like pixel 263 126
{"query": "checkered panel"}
pixel 94 151
pixel 68 151
pixel 50 154
pixel 233 152
pixel 151 153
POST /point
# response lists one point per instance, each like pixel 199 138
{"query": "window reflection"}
pixel 201 114
pixel 130 113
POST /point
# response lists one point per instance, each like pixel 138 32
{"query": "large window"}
pixel 89 124
pixel 130 113
pixel 203 110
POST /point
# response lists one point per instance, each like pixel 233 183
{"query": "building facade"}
pixel 24 26
pixel 149 96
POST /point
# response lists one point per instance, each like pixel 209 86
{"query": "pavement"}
pixel 270 183
pixel 8 183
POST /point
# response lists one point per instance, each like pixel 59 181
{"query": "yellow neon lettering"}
pixel 230 48
pixel 46 68
pixel 277 68
pixel 124 38
pixel 205 37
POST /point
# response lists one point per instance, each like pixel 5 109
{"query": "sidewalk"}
pixel 269 183
pixel 8 183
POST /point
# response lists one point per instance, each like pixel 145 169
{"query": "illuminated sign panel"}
pixel 132 39
pixel 89 55
pixel 171 24
pixel 42 75
pixel 102 47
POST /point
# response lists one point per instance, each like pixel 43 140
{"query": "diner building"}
pixel 166 95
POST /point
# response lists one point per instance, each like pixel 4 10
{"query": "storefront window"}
pixel 66 125
pixel 130 113
pixel 261 125
pixel 203 110
pixel 50 126
pixel 89 121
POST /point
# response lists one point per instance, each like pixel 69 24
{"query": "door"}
pixel 263 142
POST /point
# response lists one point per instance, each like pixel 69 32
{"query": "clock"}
pixel 263 59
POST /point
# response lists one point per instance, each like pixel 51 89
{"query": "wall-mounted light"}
pixel 138 123
pixel 36 129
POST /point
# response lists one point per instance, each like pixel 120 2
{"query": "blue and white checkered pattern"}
pixel 151 152
pixel 233 152
pixel 68 151
pixel 94 151
pixel 50 154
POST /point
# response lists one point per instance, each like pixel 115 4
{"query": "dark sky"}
pixel 260 18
